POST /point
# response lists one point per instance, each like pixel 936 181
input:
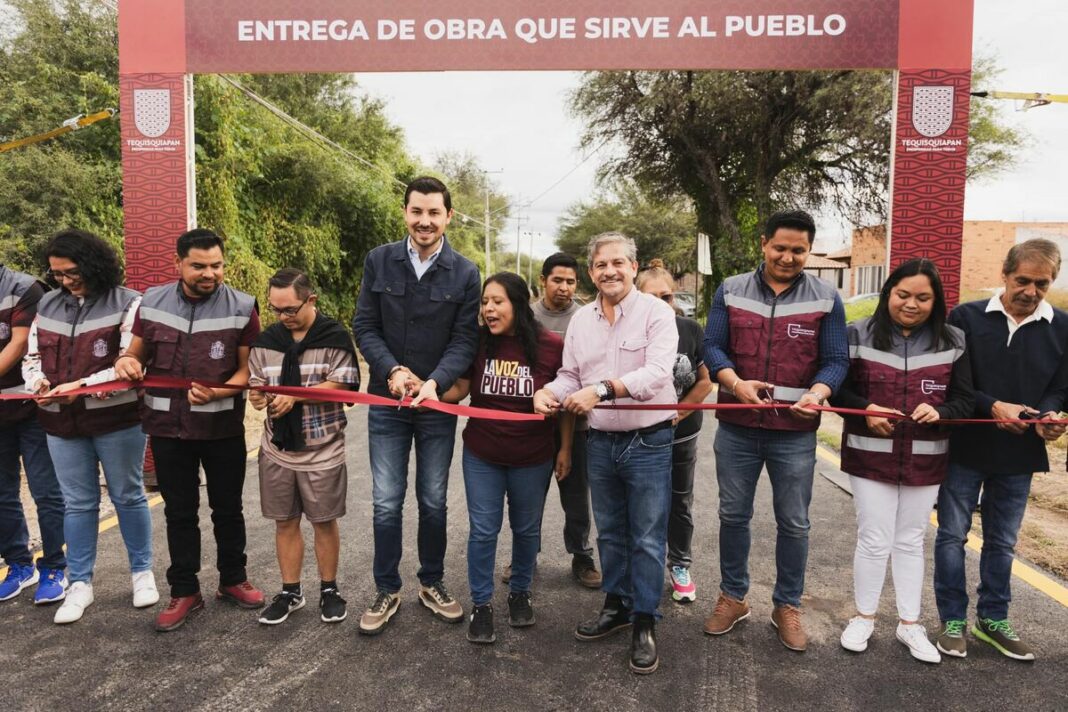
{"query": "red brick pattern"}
pixel 927 201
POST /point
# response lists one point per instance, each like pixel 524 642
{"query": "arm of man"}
pixel 642 383
pixel 567 381
pixel 367 326
pixel 463 342
pixel 22 317
pixel 834 363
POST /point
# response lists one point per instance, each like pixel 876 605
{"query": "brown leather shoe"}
pixel 584 571
pixel 727 612
pixel 787 620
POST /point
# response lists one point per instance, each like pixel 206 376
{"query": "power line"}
pixel 565 176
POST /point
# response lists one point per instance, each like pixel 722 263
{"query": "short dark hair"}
pixel 558 259
pixel 199 238
pixel 97 262
pixel 794 219
pixel 292 277
pixel 427 185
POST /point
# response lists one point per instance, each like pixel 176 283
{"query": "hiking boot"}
pixel 520 612
pixel 244 594
pixel 481 628
pixel 437 598
pixel 643 656
pixel 177 611
pixel 951 641
pixel 787 620
pixel 375 618
pixel 1001 635
pixel 914 636
pixel 584 571
pixel 855 636
pixel 614 616
pixel 683 589
pixel 726 614
pixel 19 577
pixel 52 587
pixel 332 607
pixel 281 606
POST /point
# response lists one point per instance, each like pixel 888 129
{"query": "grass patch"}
pixel 861 309
pixel 831 440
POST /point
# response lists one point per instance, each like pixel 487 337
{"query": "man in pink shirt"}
pixel 621 348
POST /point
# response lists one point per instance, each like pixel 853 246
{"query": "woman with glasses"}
pixel 906 361
pixel 692 385
pixel 79 331
pixel 506 459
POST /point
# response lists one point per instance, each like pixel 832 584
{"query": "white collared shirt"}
pixel 1042 311
pixel 421 265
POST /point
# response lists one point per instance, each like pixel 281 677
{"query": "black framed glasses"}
pixel 287 311
pixel 74 275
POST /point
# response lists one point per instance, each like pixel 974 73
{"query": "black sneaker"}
pixel 331 606
pixel 481 628
pixel 281 606
pixel 520 612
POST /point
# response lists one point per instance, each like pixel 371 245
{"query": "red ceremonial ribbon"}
pixel 356 398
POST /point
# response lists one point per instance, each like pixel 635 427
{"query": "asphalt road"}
pixel 223 659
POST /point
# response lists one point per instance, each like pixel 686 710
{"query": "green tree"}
pixel 661 227
pixel 468 185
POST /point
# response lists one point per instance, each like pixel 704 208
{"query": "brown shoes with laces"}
pixel 787 620
pixel 727 612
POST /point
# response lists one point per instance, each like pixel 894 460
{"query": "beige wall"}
pixel 987 241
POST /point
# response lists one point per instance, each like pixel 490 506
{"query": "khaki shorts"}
pixel 286 494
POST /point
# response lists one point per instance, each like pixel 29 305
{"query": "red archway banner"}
pixel 162 42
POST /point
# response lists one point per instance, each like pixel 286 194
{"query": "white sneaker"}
pixel 79 597
pixel 144 590
pixel 855 636
pixel 915 637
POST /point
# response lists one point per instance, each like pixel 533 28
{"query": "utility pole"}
pixel 519 220
pixel 530 257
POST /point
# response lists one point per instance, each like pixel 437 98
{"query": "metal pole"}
pixel 530 259
pixel 489 270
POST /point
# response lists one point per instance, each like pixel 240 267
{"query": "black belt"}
pixel 641 431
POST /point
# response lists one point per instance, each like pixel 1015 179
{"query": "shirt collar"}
pixel 1043 311
pixel 623 306
pixel 414 254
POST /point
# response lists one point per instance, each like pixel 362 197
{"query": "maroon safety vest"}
pixel 913 371
pixel 775 339
pixel 77 340
pixel 197 340
pixel 13 285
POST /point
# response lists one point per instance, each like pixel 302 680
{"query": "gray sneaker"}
pixel 441 603
pixel 375 618
pixel 1004 639
pixel 951 640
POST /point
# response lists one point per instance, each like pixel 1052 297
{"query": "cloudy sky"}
pixel 517 123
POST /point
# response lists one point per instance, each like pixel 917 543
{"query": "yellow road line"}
pixel 1026 573
pixel 113 520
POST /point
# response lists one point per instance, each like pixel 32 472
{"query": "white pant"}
pixel 891 522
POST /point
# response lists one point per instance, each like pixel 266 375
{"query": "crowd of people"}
pixel 430 328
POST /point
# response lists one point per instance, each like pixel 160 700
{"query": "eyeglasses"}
pixel 287 311
pixel 74 275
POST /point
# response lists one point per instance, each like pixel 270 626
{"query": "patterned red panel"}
pixel 153 174
pixel 927 201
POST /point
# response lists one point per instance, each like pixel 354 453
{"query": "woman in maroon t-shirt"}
pixel 516 357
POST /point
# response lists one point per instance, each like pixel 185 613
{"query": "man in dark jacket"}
pixel 1016 343
pixel 417 326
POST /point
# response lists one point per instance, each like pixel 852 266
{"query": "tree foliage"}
pixel 661 227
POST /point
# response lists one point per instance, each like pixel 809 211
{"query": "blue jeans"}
pixel 1004 501
pixel 790 457
pixel 390 434
pixel 122 455
pixel 630 485
pixel 26 438
pixel 486 485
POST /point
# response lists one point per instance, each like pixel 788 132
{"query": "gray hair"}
pixel 1035 250
pixel 607 238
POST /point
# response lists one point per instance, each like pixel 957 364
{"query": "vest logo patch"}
pixel 217 350
pixel 927 386
pixel 796 330
pixel 5 331
pixel 100 348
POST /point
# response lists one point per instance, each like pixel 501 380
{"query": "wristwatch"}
pixel 602 391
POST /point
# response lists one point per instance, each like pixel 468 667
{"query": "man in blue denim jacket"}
pixel 416 325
